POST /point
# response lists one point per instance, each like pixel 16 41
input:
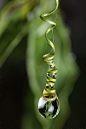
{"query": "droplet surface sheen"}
pixel 48 109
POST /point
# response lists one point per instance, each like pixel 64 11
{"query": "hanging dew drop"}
pixel 48 109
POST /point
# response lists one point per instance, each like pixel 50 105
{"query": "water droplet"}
pixel 48 109
pixel 53 75
pixel 52 85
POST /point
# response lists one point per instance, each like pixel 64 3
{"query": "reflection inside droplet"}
pixel 48 109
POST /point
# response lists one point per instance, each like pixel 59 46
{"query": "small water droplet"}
pixel 52 86
pixel 48 109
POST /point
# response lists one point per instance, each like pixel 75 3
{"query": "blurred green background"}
pixel 23 71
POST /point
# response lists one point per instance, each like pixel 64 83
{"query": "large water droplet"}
pixel 48 109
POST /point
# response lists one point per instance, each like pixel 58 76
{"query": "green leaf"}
pixel 11 47
pixel 36 69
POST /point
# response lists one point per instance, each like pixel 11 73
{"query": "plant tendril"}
pixel 49 92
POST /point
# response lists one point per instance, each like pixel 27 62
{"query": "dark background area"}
pixel 75 19
pixel 13 77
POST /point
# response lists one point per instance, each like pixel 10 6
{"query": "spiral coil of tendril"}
pixel 49 92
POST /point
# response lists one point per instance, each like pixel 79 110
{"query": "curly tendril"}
pixel 49 92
